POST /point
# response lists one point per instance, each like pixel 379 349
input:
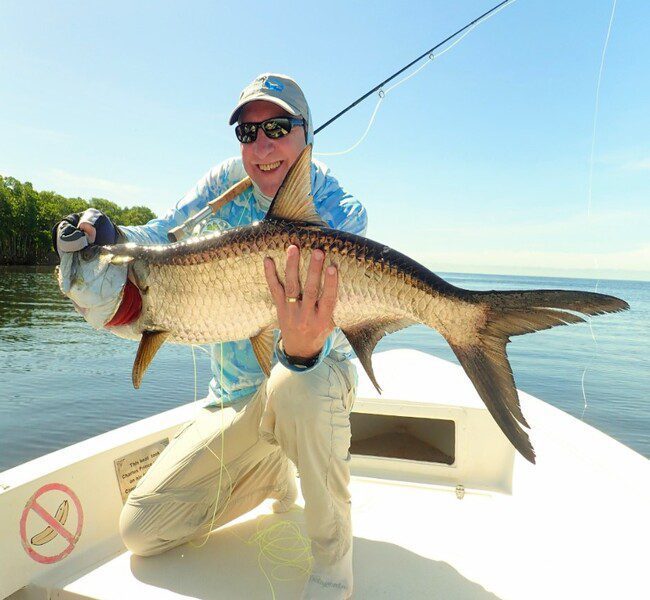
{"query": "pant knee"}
pixel 134 536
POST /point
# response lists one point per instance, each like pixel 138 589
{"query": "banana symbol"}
pixel 49 533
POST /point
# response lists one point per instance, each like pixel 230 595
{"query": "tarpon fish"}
pixel 213 289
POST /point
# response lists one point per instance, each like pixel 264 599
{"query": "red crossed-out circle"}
pixel 72 538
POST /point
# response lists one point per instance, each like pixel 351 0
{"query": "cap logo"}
pixel 274 85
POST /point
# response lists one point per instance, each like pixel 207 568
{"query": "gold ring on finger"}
pixel 292 299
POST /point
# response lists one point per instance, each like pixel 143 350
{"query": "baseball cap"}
pixel 281 90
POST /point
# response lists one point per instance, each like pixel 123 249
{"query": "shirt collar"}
pixel 263 201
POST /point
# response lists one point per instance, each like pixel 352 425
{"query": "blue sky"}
pixel 480 163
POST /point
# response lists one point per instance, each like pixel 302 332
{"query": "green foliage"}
pixel 27 218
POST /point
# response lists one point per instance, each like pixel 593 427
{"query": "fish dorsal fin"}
pixel 149 344
pixel 363 338
pixel 294 201
pixel 263 345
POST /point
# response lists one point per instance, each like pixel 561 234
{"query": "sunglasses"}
pixel 274 128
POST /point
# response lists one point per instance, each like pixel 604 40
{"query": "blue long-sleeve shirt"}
pixel 236 372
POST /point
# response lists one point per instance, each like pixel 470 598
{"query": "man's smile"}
pixel 270 166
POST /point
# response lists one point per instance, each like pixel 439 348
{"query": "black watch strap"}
pixel 298 361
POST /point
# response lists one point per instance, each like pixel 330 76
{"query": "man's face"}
pixel 267 161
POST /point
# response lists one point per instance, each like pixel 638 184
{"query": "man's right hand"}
pixel 79 230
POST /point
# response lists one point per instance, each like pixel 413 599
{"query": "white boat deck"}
pixel 573 526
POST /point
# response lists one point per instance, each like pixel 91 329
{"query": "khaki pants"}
pixel 301 416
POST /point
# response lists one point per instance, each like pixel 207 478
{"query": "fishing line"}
pixel 365 133
pixel 280 545
pixel 283 545
pixel 597 106
pixel 418 59
pixel 206 445
pixel 222 466
pixel 430 56
pixel 590 195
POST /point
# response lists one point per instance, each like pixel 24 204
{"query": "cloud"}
pixel 41 134
pixel 632 263
pixel 642 164
pixel 637 259
pixel 71 184
pixel 45 134
pixel 579 221
pixel 630 159
pixel 611 243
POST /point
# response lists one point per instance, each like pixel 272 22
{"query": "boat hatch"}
pixel 406 438
pixel 417 440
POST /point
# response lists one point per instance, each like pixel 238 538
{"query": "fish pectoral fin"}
pixel 150 343
pixel 363 338
pixel 293 201
pixel 263 345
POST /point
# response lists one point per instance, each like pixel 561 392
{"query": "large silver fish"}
pixel 213 289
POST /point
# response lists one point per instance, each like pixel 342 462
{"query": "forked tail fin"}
pixel 514 313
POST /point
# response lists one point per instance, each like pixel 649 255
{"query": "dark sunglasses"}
pixel 274 128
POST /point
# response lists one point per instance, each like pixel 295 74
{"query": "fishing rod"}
pixel 178 233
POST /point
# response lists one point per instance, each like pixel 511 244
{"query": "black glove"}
pixel 67 237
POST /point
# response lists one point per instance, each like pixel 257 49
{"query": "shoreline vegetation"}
pixel 27 217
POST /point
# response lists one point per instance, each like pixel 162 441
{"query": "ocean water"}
pixel 62 382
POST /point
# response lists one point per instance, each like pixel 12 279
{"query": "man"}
pixel 227 461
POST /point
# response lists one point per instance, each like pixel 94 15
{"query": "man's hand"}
pixel 77 231
pixel 305 323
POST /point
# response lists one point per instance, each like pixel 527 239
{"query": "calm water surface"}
pixel 62 382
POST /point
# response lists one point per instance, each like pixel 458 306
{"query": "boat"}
pixel 443 507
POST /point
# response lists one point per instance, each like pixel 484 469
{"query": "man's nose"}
pixel 263 146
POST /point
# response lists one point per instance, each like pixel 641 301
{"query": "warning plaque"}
pixel 132 467
pixel 51 523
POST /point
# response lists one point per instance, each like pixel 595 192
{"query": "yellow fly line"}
pixel 284 553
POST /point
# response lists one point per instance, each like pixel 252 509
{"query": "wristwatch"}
pixel 299 361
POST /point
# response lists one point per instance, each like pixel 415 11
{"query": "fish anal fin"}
pixel 364 336
pixel 263 346
pixel 293 201
pixel 150 343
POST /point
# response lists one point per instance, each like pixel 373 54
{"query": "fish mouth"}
pixel 269 166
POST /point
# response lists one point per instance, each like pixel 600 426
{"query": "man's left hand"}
pixel 306 322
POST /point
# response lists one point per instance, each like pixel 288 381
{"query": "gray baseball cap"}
pixel 281 90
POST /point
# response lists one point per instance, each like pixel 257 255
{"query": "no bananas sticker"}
pixel 51 523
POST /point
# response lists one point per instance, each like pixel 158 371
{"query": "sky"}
pixel 479 163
